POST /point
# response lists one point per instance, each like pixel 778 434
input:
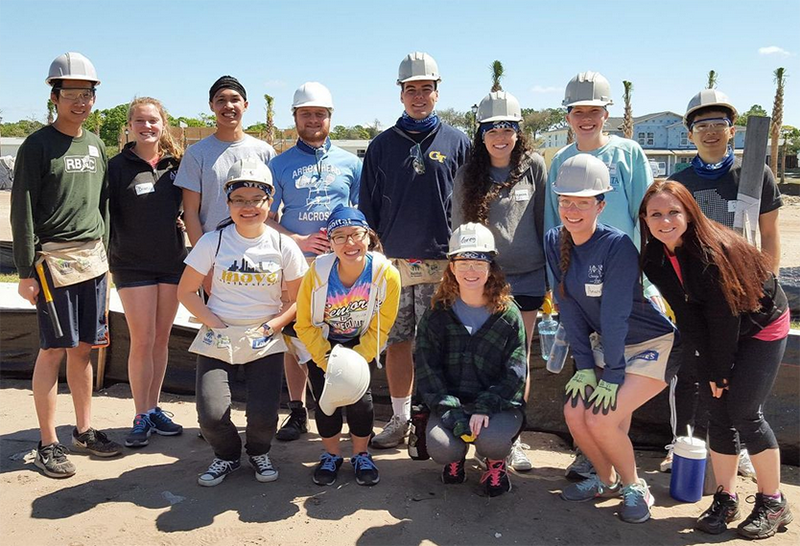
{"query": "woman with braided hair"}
pixel 616 336
pixel 502 186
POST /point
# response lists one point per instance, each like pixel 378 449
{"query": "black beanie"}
pixel 226 82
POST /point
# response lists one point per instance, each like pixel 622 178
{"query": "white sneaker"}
pixel 666 464
pixel 746 465
pixel 517 459
pixel 392 435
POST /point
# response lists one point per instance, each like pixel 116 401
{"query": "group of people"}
pixel 432 258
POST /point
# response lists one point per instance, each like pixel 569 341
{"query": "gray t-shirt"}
pixel 471 317
pixel 204 169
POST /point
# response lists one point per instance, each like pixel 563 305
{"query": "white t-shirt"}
pixel 247 272
pixel 204 169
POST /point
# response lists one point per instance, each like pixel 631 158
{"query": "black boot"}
pixel 295 424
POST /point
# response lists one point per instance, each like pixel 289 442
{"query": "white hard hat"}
pixel 582 175
pixel 499 106
pixel 250 170
pixel 471 237
pixel 418 66
pixel 346 380
pixel 312 94
pixel 708 97
pixel 72 66
pixel 587 89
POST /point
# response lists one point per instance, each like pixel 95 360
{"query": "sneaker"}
pixel 217 472
pixel 265 472
pixel 52 459
pixel 393 434
pixel 767 517
pixel 295 424
pixel 141 431
pixel 454 473
pixel 163 424
pixel 365 469
pixel 636 502
pixel 723 510
pixel 666 464
pixel 591 488
pixel 327 469
pixel 746 465
pixel 495 479
pixel 94 442
pixel 581 468
pixel 517 459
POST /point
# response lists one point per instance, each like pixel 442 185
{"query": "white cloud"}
pixel 548 89
pixel 773 50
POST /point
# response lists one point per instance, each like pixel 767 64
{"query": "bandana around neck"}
pixel 713 171
pixel 407 123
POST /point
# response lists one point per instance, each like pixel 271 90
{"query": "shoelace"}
pixel 395 423
pixel 59 452
pixel 140 423
pixel 493 473
pixel 218 466
pixel 100 436
pixel 453 468
pixel 162 416
pixel 631 493
pixel 328 462
pixel 362 461
pixel 263 462
pixel 590 483
pixel 759 508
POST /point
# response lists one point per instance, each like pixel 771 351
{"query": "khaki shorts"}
pixel 649 358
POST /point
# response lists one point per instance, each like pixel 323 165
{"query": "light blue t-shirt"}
pixel 630 177
pixel 471 317
pixel 309 183
pixel 346 307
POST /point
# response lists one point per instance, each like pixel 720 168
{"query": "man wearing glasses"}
pixel 406 191
pixel 311 179
pixel 59 221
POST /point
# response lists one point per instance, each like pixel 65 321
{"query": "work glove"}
pixel 604 397
pixel 576 387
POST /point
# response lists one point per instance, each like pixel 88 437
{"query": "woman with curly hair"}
pixel 471 362
pixel 729 304
pixel 502 186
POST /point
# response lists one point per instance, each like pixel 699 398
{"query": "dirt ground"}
pixel 150 496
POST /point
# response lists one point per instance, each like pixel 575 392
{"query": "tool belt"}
pixel 74 262
pixel 419 271
pixel 240 342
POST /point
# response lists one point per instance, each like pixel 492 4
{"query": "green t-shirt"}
pixel 60 193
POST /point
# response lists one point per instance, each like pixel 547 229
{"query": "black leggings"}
pixel 737 416
pixel 687 407
pixel 359 415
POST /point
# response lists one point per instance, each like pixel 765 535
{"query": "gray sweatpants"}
pixel 494 442
pixel 213 397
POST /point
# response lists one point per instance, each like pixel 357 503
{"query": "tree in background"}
pixel 712 80
pixel 535 122
pixel 497 74
pixel 627 116
pixel 755 110
pixel 270 125
pixel 94 122
pixel 51 111
pixel 456 118
pixel 777 118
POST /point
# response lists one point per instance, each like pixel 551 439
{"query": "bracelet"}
pixel 268 329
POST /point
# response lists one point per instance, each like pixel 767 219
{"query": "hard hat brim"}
pixel 593 102
pixel 313 104
pixel 500 118
pixel 49 80
pixel 418 79
pixel 581 193
pixel 248 179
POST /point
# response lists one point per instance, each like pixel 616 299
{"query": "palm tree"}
pixel 627 117
pixel 51 110
pixel 270 127
pixel 497 74
pixel 712 80
pixel 777 118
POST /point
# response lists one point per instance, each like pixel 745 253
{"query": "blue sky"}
pixel 174 50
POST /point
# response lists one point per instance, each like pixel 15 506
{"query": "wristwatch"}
pixel 268 331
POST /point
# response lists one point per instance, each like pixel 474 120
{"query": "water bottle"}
pixel 558 352
pixel 547 335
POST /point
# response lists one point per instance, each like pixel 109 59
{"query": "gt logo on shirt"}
pixel 80 164
pixel 437 156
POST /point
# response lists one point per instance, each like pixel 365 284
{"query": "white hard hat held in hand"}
pixel 346 380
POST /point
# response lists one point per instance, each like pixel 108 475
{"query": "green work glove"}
pixel 576 387
pixel 604 397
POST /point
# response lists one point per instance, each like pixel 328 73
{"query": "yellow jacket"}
pixel 384 299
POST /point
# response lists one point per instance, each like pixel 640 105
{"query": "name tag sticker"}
pixel 594 290
pixel 732 206
pixel 612 169
pixel 144 187
pixel 522 195
pixel 93 151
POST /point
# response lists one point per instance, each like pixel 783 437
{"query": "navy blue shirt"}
pixel 410 212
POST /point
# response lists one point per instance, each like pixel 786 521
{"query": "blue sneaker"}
pixel 365 469
pixel 141 431
pixel 162 424
pixel 328 468
pixel 636 502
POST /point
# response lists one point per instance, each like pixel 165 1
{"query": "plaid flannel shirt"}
pixel 459 374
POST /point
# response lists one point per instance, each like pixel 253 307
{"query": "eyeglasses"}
pixel 249 202
pixel 714 125
pixel 418 161
pixel 356 237
pixel 77 93
pixel 584 204
pixel 463 266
